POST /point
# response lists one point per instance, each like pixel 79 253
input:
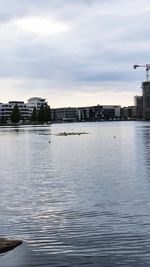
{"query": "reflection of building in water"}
pixel 146 100
pixel 145 130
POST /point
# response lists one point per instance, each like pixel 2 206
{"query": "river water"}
pixel 81 200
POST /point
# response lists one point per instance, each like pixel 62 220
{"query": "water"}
pixel 78 200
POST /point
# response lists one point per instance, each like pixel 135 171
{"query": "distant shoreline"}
pixel 58 122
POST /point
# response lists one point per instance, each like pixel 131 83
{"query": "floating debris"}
pixel 70 133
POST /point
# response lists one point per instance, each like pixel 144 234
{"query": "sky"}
pixel 73 52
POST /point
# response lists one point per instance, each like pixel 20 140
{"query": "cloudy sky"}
pixel 73 52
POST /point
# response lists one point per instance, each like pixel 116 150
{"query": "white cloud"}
pixel 40 25
pixel 63 47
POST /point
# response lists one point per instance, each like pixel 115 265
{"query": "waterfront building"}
pixel 64 114
pixel 89 113
pixel 6 109
pixel 36 102
pixel 146 100
pixel 138 102
pixel 128 113
pixel 99 112
pixel 111 112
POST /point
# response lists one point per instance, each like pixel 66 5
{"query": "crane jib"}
pixel 146 66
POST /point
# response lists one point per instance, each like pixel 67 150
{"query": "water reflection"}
pixel 45 130
pixel 146 141
pixel 143 143
pixel 79 200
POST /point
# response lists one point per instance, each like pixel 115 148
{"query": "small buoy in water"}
pixel 114 136
pixel 49 141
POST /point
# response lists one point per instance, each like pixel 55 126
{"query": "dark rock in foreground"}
pixel 6 245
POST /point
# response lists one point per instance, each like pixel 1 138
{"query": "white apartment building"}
pixel 6 109
pixel 25 108
pixel 36 102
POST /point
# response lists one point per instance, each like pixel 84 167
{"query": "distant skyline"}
pixel 73 53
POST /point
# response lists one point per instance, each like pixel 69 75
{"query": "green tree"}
pixel 47 113
pixel 34 114
pixel 15 115
pixel 41 114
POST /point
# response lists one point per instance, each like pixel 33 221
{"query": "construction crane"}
pixel 146 66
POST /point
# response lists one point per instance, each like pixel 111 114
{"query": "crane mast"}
pixel 147 68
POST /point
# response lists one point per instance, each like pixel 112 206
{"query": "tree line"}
pixel 42 115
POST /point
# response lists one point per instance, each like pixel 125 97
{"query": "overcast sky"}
pixel 73 52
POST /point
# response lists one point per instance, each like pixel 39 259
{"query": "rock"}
pixel 6 245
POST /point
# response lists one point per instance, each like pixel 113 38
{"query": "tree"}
pixel 15 115
pixel 41 114
pixel 47 113
pixel 34 114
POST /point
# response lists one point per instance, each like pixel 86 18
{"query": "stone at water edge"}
pixel 6 244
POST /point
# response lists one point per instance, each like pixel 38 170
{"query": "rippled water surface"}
pixel 78 200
